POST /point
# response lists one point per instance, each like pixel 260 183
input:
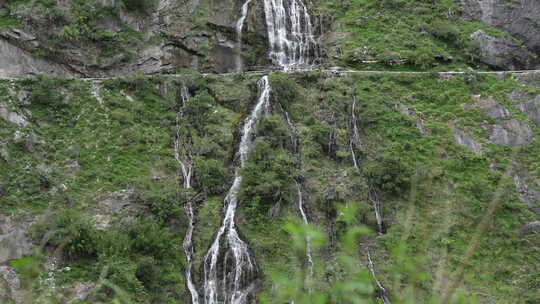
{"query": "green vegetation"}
pixel 404 34
pixel 118 219
pixel 140 6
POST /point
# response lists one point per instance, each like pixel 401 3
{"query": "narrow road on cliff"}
pixel 336 72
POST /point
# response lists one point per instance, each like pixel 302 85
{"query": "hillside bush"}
pixel 139 6
pixel 209 175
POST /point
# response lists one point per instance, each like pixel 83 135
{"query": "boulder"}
pixel 526 192
pixel 81 291
pixel 10 286
pixel 492 108
pixel 531 109
pixel 513 133
pixel 467 141
pixel 12 117
pixel 530 228
pixel 115 207
pixel 502 52
pixel 14 240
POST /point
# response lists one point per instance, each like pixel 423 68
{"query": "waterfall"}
pixel 237 282
pixel 188 250
pixel 290 33
pixel 186 169
pixel 308 240
pixel 239 28
pixel 382 294
pixel 372 195
pixel 95 92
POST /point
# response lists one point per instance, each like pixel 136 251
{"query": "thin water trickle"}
pixel 234 284
pixel 239 29
pixel 186 168
pixel 306 222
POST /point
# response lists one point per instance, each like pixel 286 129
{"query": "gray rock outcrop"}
pixel 14 241
pixel 10 286
pixel 15 61
pixel 492 108
pixel 467 141
pixel 169 38
pixel 519 18
pixel 531 109
pixel 513 133
pixel 116 206
pixel 12 117
pixel 526 192
pixel 403 109
pixel 530 228
pixel 503 52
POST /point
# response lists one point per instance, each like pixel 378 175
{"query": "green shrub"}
pixel 268 177
pixel 284 90
pixel 390 172
pixel 74 234
pixel 198 110
pixel 444 29
pixel 45 91
pixel 275 131
pixel 209 175
pixel 139 6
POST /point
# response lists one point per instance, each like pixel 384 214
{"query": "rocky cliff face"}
pixel 519 18
pixel 107 38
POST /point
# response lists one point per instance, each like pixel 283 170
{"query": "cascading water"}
pixel 382 293
pixel 239 28
pixel 355 141
pixel 186 168
pixel 95 92
pixel 290 33
pixel 308 240
pixel 234 284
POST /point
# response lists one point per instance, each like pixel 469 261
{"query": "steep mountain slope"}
pixel 307 184
pixel 92 166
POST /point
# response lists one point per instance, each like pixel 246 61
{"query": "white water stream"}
pixel 239 29
pixel 372 194
pixel 233 282
pixel 290 33
pixel 308 240
pixel 184 159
